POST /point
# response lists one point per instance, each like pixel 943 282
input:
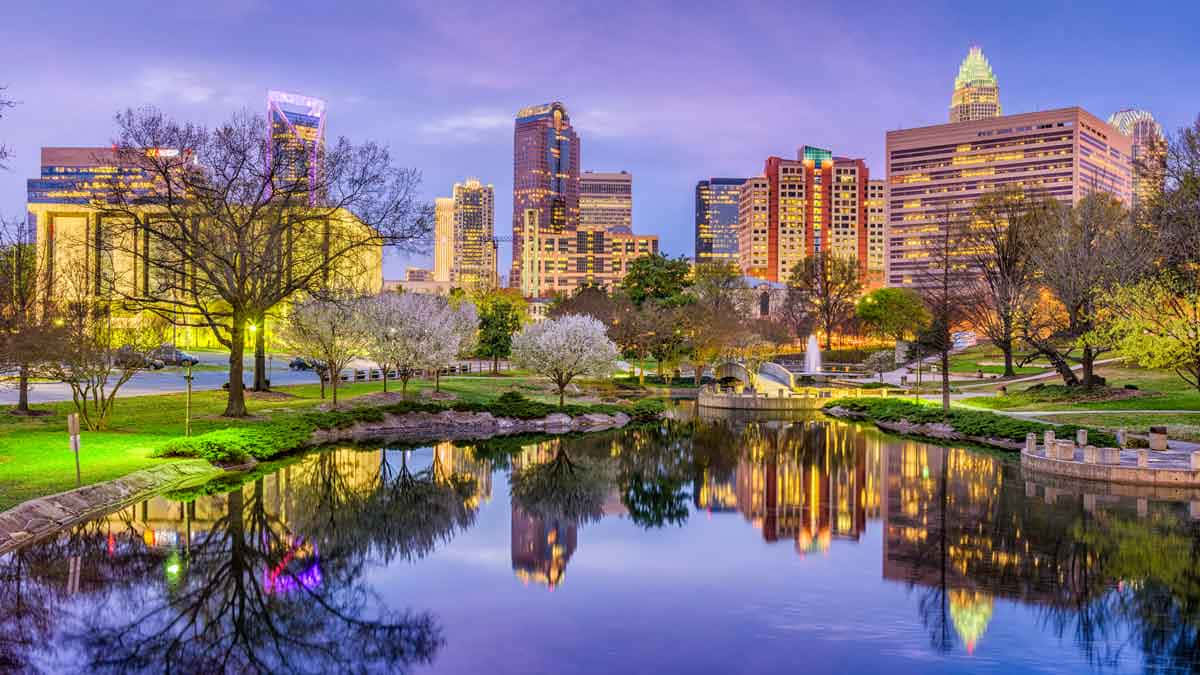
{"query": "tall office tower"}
pixel 474 262
pixel 545 191
pixel 443 238
pixel 936 173
pixel 876 231
pixel 297 138
pixel 717 219
pixel 753 239
pixel 606 201
pixel 814 203
pixel 1149 153
pixel 976 93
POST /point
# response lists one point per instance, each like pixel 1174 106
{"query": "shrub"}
pixel 976 423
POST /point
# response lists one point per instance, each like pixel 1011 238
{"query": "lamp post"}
pixel 188 408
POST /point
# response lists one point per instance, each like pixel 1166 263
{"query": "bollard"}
pixel 1110 455
pixel 1090 455
pixel 1048 441
pixel 1158 438
pixel 73 432
pixel 1121 437
pixel 1066 450
pixel 1081 437
pixel 1143 458
pixel 1031 443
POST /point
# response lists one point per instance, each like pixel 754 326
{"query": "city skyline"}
pixel 658 123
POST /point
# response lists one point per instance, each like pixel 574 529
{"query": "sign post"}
pixel 188 410
pixel 73 432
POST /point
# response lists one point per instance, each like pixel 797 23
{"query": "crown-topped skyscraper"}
pixel 976 92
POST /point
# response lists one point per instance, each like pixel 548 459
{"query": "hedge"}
pixel 976 423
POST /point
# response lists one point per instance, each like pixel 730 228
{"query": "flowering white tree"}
pixel 327 330
pixel 563 348
pixel 449 332
pixel 380 316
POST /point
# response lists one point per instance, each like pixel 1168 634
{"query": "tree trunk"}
pixel 385 378
pixel 333 384
pixel 1088 360
pixel 561 391
pixel 260 355
pixel 495 365
pixel 945 380
pixel 1006 347
pixel 437 379
pixel 235 405
pixel 23 389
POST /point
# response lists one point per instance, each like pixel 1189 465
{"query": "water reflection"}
pixel 288 570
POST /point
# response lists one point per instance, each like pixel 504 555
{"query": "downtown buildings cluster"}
pixel 823 203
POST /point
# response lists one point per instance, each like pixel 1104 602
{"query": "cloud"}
pixel 468 126
pixel 166 84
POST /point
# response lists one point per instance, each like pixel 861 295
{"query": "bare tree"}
pixel 5 102
pixel 1088 249
pixel 1007 226
pixel 941 286
pixel 100 348
pixel 27 334
pixel 829 285
pixel 223 228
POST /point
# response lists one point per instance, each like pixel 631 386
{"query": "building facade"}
pixel 800 207
pixel 545 185
pixel 296 131
pixel 717 210
pixel 936 173
pixel 976 93
pixel 877 241
pixel 1149 153
pixel 464 250
pixel 606 201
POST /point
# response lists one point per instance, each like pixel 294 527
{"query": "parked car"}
pixel 171 356
pixel 126 357
pixel 302 363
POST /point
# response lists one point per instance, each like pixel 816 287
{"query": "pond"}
pixel 701 545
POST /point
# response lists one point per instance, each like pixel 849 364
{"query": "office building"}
pixel 876 232
pixel 554 250
pixel 800 207
pixel 976 93
pixel 1149 152
pixel 297 139
pixel 936 173
pixel 464 252
pixel 606 201
pixel 545 187
pixel 717 219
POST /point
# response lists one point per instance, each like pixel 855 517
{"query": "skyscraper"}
pixel 976 93
pixel 464 251
pixel 606 201
pixel 936 173
pixel 799 207
pixel 545 190
pixel 717 219
pixel 876 231
pixel 1149 152
pixel 297 138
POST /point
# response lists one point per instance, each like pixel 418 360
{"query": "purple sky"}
pixel 671 93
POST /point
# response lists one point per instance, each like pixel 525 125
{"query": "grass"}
pixel 1184 427
pixel 1157 390
pixel 975 423
pixel 35 456
pixel 988 358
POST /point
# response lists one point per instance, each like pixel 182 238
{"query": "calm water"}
pixel 708 545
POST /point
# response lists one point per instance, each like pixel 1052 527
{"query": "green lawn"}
pixel 990 360
pixel 1160 390
pixel 35 456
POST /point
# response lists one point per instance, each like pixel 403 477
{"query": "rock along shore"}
pixel 934 432
pixel 43 516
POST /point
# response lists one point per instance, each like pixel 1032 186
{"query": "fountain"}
pixel 812 356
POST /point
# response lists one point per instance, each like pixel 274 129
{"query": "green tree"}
pixel 1156 323
pixel 500 316
pixel 828 284
pixel 894 313
pixel 656 277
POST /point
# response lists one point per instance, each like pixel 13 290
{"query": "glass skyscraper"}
pixel 976 92
pixel 297 136
pixel 717 219
pixel 545 190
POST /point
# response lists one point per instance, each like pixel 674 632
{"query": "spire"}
pixel 975 70
pixel 976 92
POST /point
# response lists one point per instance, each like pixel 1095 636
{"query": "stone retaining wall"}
pixel 38 518
pixel 1112 473
pixel 709 399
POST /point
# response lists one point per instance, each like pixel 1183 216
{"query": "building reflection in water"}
pixel 810 482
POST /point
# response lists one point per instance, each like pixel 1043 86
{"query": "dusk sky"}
pixel 671 93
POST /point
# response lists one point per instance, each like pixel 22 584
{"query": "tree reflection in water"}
pixel 553 486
